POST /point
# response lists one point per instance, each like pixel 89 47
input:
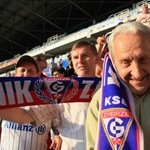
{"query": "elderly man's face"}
pixel 131 55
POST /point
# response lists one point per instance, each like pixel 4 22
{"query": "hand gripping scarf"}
pixel 118 128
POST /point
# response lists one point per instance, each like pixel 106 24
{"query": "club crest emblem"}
pixel 116 128
pixel 56 90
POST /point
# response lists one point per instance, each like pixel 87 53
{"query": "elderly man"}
pixel 129 48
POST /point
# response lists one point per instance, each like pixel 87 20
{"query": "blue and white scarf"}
pixel 118 128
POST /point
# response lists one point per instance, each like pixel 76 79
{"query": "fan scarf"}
pixel 27 91
pixel 118 128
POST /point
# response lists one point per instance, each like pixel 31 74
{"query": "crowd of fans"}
pixel 62 65
pixel 48 65
pixel 130 54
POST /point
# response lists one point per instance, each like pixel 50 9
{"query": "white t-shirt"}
pixel 72 128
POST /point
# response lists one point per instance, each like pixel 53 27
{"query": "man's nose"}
pixel 137 71
pixel 80 59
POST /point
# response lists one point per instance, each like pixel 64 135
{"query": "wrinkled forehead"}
pixel 131 41
pixel 130 46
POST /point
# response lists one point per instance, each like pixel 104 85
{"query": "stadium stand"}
pixel 59 45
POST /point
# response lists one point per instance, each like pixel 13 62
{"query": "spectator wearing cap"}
pixel 26 67
pixel 27 128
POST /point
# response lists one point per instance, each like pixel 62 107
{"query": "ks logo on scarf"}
pixel 118 128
